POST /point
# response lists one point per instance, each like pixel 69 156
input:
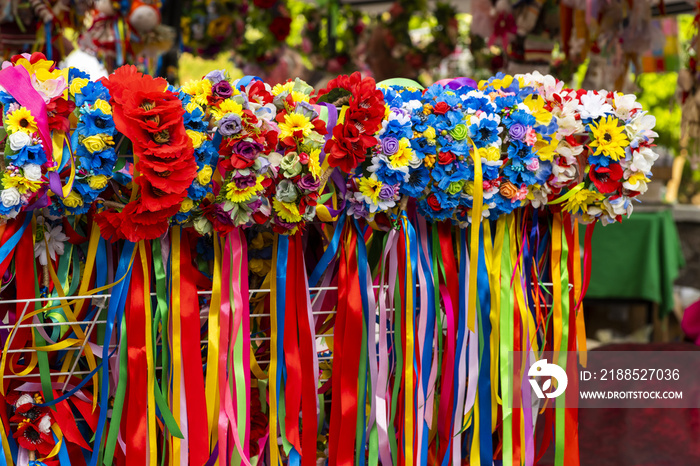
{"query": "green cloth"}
pixel 638 258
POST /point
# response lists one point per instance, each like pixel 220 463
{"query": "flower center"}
pixel 485 133
pixel 162 137
pixel 607 137
pixel 32 435
pixel 24 123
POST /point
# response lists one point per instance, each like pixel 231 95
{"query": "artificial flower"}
pixel 609 138
pixel 21 120
pixel 49 243
pixel 295 125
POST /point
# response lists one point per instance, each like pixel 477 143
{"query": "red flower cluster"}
pixel 353 138
pixel 152 117
pixel 34 423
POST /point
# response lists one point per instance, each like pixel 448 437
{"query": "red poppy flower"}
pixel 34 58
pixel 30 437
pixel 348 148
pixel 607 179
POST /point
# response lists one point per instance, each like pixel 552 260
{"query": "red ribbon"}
pixel 135 432
pixel 198 429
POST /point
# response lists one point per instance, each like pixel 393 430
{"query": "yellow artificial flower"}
pixel 97 181
pixel 77 85
pixel 97 142
pixel 34 67
pixel 73 200
pixel 429 134
pixel 581 200
pixel 429 160
pixel 403 156
pixel 294 122
pixel 198 89
pixel 637 177
pixel 468 188
pixel 196 137
pixel 234 194
pixel 204 175
pixel 497 84
pixel 491 153
pixel 43 74
pixel 315 163
pixel 387 111
pixel 536 105
pixel 103 106
pixel 287 211
pixel 191 107
pixel 546 149
pixel 226 107
pixel 187 205
pixel 21 120
pixel 609 138
pixel 23 185
pixel 370 188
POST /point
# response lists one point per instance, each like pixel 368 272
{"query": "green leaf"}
pixel 334 95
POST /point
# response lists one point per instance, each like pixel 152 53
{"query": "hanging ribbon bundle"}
pixel 448 241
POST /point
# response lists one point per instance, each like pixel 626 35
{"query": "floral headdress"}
pixel 296 164
pixel 27 164
pixel 152 117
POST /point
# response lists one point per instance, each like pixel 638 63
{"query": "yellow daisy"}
pixel 294 122
pixel 234 194
pixel 315 163
pixel 226 107
pixel 403 156
pixel 609 138
pixel 22 184
pixel 582 200
pixel 198 89
pixel 287 211
pixel 370 187
pixel 21 120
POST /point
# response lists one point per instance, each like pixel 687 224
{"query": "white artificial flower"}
pixel 55 239
pixel 18 140
pixel 32 171
pixel 619 206
pixel 23 400
pixel 10 197
pixel 641 127
pixel 45 424
pixel 642 160
pixel 625 104
pixel 593 105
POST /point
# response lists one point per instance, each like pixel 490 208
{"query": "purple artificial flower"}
pixel 216 76
pixel 308 183
pixel 387 191
pixel 390 145
pixel 222 216
pixel 255 205
pixel 248 149
pixel 223 89
pixel 517 131
pixel 244 181
pixel 230 124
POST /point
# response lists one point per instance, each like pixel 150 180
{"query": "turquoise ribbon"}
pixel 484 386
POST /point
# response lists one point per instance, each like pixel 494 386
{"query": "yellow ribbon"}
pixel 556 282
pixel 212 375
pixel 477 202
pixel 152 441
pixel 580 324
pixel 566 196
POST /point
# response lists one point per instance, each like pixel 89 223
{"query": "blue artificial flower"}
pixel 599 160
pixel 388 175
pixel 543 172
pixel 519 150
pixel 91 92
pixel 484 133
pixel 31 153
pixel 6 99
pixel 445 175
pixel 74 73
pixel 180 217
pixel 506 101
pixel 99 163
pixel 519 116
pixel 422 147
pixel 418 179
pixel 518 174
pixel 395 129
pixel 478 102
pixel 8 210
pixel 197 192
pixel 95 122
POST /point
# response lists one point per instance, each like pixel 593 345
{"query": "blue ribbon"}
pixel 362 274
pixel 427 359
pixel 9 246
pixel 63 458
pixel 114 314
pixel 329 254
pixel 484 384
pixel 246 80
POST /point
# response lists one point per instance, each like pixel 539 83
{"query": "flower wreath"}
pixel 528 143
pixel 93 139
pixel 298 177
pixel 378 187
pixel 361 117
pixel 25 171
pixel 164 166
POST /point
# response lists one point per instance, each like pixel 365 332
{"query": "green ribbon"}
pixel 506 348
pixel 119 395
pixel 401 82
